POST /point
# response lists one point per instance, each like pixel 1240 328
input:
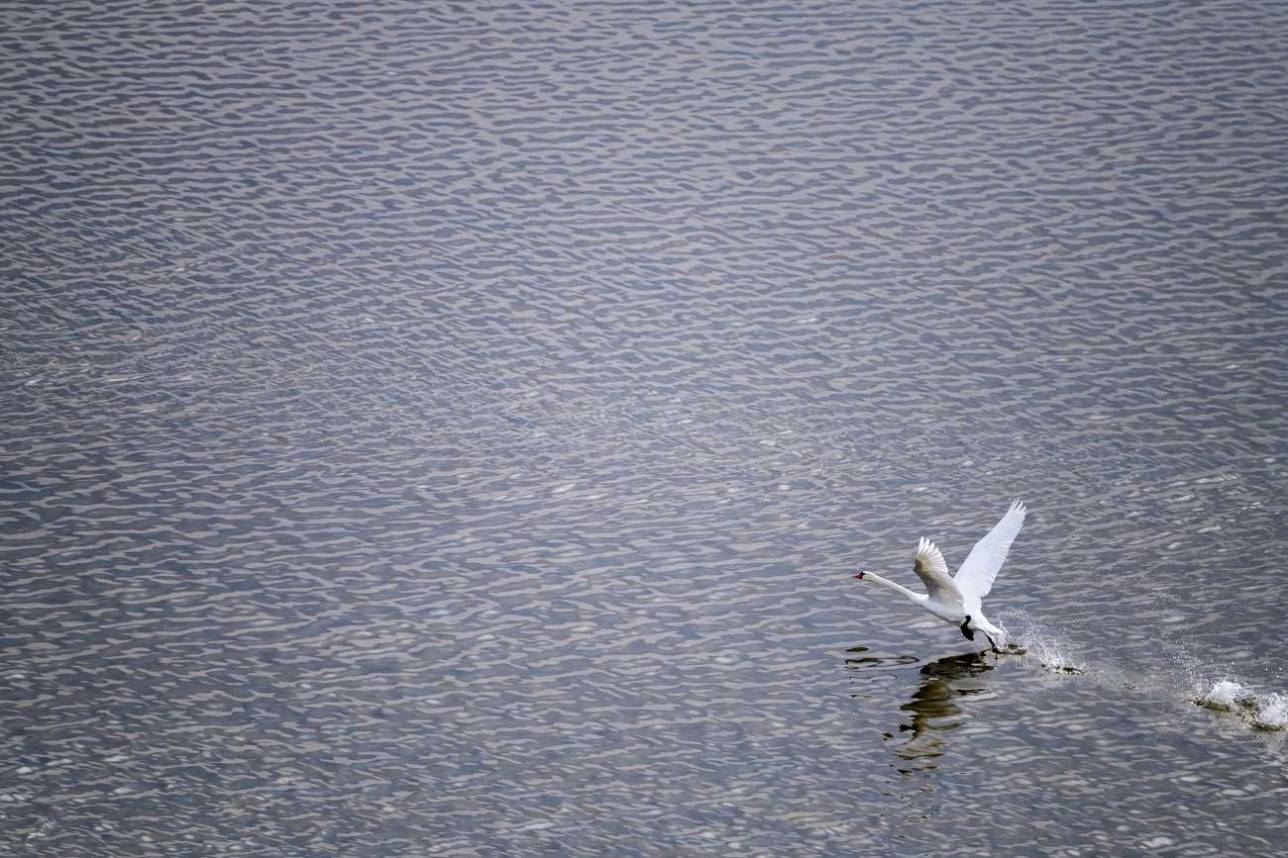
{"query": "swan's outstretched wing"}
pixel 975 577
pixel 933 572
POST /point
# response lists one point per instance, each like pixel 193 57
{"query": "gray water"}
pixel 449 429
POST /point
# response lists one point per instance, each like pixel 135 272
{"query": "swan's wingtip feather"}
pixel 926 548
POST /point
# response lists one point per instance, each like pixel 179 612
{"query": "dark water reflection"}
pixel 936 707
pixel 941 690
pixel 449 428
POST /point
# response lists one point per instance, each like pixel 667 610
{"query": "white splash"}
pixel 1273 713
pixel 1225 694
pixel 1052 650
pixel 1264 711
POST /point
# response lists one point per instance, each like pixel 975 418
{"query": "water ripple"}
pixel 449 427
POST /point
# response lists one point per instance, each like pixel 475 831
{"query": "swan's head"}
pixel 858 576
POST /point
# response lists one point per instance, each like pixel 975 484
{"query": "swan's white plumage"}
pixel 976 576
pixel 933 572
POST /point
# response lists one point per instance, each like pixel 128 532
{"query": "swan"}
pixel 958 600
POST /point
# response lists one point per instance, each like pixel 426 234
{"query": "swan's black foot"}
pixel 992 643
pixel 967 632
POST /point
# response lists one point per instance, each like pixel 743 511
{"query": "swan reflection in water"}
pixel 935 707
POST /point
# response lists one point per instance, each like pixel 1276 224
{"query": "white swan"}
pixel 957 600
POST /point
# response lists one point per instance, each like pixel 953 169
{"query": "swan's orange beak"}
pixel 859 576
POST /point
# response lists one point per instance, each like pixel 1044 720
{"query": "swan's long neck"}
pixel 898 588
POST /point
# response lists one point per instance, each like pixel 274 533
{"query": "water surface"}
pixel 449 428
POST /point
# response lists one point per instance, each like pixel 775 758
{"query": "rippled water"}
pixel 448 428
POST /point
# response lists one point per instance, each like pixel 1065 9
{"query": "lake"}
pixel 451 429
